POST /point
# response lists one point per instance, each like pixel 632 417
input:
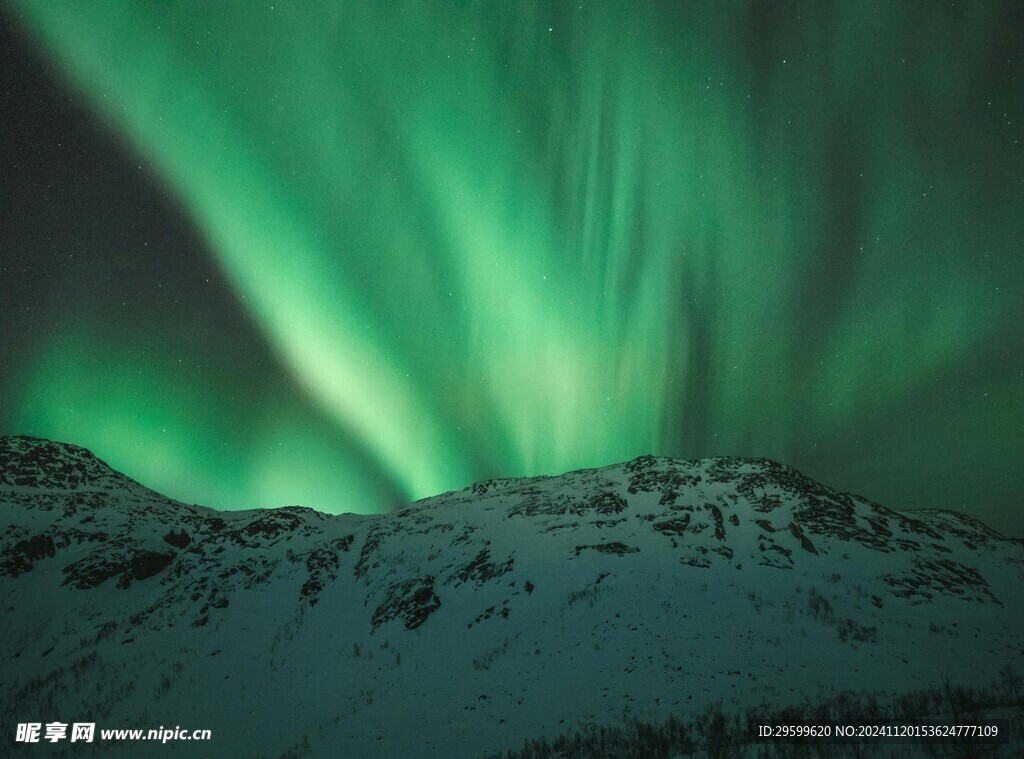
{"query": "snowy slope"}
pixel 469 621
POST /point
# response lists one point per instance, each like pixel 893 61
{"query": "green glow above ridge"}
pixel 90 389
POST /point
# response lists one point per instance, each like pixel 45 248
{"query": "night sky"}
pixel 351 254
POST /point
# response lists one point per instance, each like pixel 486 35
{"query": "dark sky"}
pixel 348 256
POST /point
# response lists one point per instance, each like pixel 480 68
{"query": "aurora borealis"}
pixel 351 254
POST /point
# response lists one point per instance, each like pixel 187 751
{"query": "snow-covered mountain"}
pixel 470 621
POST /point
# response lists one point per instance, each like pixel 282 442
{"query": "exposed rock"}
pixel 617 548
pixel 178 538
pixel 412 601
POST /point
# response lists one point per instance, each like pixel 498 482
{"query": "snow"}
pixel 657 587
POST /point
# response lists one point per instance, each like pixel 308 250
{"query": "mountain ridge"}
pixel 23 457
pixel 525 605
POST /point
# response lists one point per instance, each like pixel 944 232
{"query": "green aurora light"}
pixel 499 239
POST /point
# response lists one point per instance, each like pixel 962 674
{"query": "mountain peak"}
pixel 515 608
pixel 33 462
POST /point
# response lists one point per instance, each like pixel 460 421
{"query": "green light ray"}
pixel 185 428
